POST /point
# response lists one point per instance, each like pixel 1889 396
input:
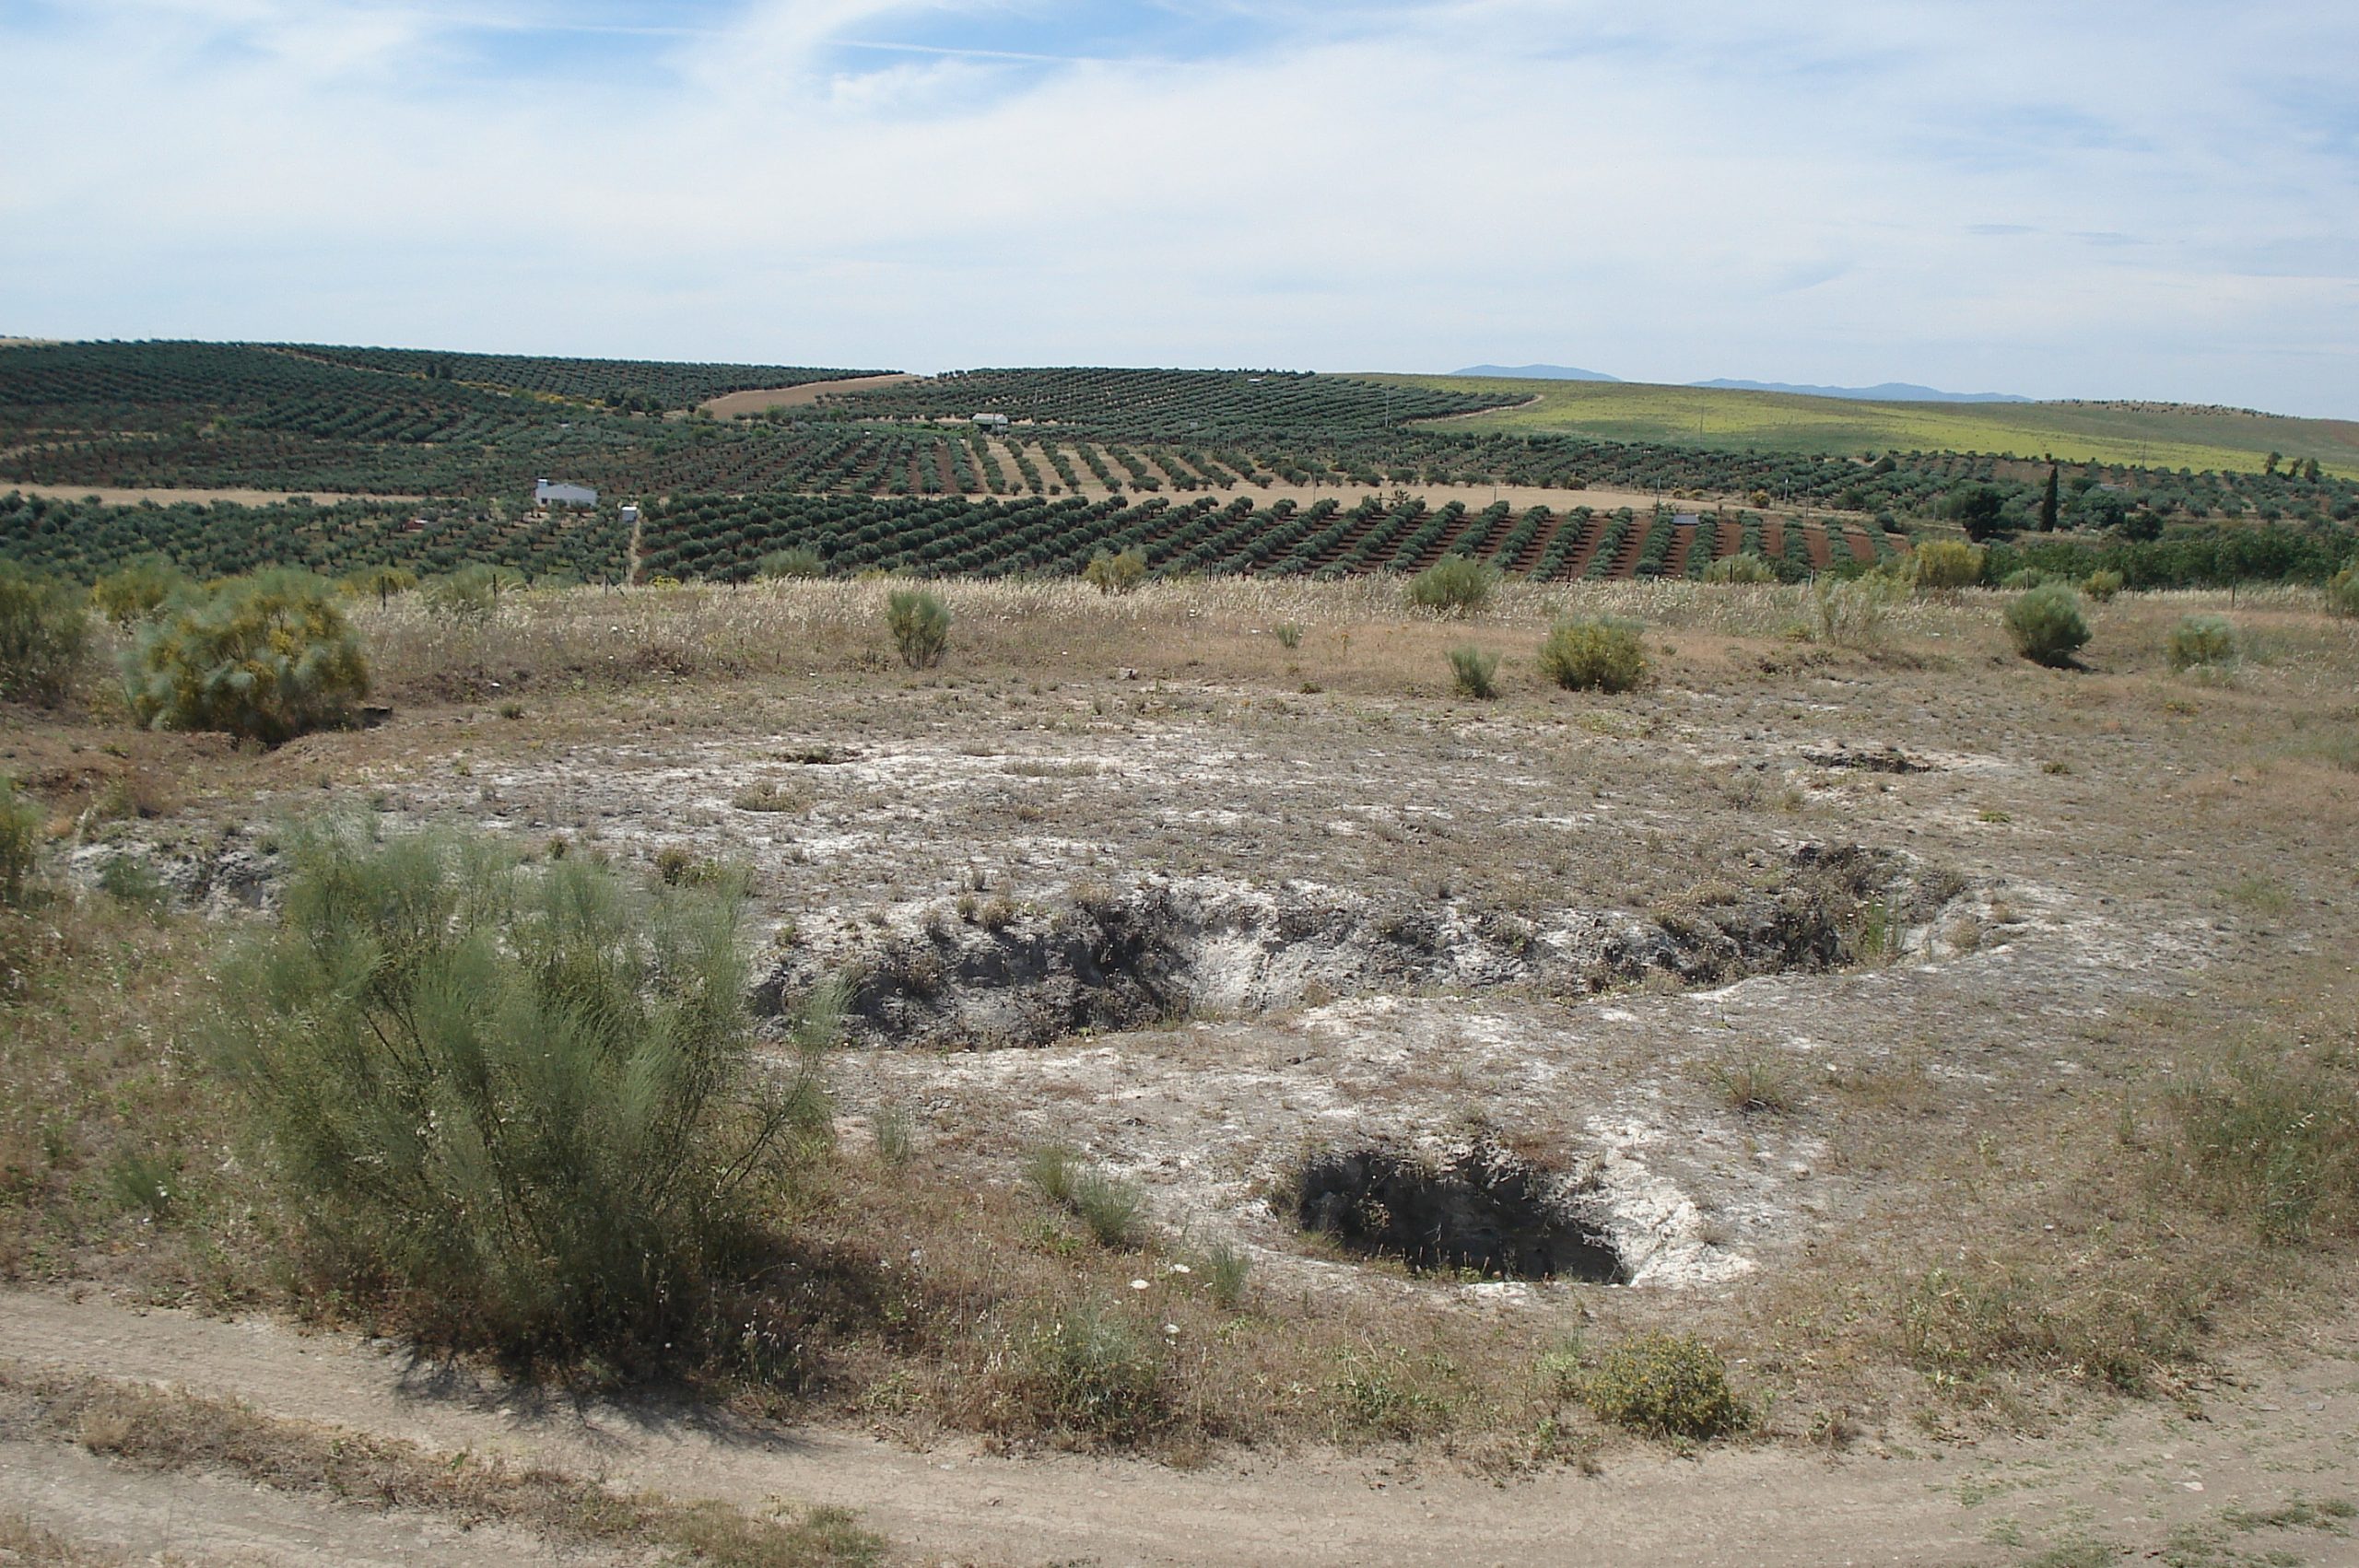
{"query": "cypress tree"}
pixel 2047 505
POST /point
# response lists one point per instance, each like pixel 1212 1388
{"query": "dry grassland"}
pixel 1945 1192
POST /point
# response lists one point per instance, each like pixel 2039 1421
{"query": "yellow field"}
pixel 2157 435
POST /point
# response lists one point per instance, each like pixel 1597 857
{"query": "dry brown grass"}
pixel 2015 1248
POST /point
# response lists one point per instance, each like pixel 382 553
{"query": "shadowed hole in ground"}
pixel 1483 1209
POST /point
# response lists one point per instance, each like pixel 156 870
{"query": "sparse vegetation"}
pixel 44 632
pixel 20 837
pixel 2343 592
pixel 1853 613
pixel 2273 1142
pixel 1593 653
pixel 2047 626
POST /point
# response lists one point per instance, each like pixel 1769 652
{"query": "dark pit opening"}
pixel 1485 1210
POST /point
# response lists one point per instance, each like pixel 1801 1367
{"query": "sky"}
pixel 2068 198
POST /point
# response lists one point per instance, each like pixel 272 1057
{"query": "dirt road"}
pixel 2135 1480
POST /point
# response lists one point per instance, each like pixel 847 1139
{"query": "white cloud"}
pixel 1874 191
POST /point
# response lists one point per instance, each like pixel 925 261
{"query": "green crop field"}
pixel 2141 435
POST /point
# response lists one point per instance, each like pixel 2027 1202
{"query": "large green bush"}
pixel 1454 585
pixel 1945 564
pixel 267 658
pixel 1593 653
pixel 2046 625
pixel 520 1098
pixel 795 561
pixel 44 631
pixel 920 622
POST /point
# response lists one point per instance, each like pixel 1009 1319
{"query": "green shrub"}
pixel 267 658
pixel 44 630
pixel 1454 586
pixel 521 1098
pixel 2202 639
pixel 1665 1386
pixel 137 591
pixel 2022 578
pixel 1945 564
pixel 1964 1321
pixel 2046 625
pixel 2102 585
pixel 1289 635
pixel 1091 1372
pixel 21 824
pixel 2343 592
pixel 1116 574
pixel 1595 653
pixel 1474 673
pixel 130 881
pixel 1746 568
pixel 798 561
pixel 920 622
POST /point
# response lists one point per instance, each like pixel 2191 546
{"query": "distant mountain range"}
pixel 1885 391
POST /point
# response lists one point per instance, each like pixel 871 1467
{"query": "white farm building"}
pixel 547 493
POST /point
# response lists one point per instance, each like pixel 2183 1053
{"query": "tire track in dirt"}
pixel 1762 1506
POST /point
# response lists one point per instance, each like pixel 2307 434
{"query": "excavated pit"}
pixel 1112 959
pixel 1483 1209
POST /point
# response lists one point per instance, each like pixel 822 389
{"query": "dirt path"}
pixel 760 400
pixel 2132 1479
pixel 116 496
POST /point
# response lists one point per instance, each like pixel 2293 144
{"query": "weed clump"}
pixel 1670 1386
pixel 44 630
pixel 1593 653
pixel 1113 1210
pixel 1089 1371
pixel 2203 641
pixel 1455 585
pixel 2046 625
pixel 519 1099
pixel 1117 573
pixel 1474 672
pixel 2101 585
pixel 266 657
pixel 920 624
pixel 2274 1142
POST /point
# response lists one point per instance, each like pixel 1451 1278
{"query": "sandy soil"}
pixel 731 404
pixel 2280 1430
